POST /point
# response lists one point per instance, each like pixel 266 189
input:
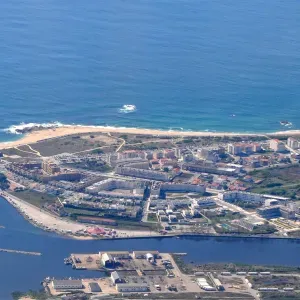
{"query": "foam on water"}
pixel 127 108
pixel 17 129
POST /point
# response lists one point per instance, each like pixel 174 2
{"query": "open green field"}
pixel 278 181
pixel 75 143
pixel 36 198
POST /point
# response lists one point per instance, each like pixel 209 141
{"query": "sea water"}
pixel 197 65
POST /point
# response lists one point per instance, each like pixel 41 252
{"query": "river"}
pixel 24 272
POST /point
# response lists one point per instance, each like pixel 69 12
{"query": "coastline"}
pixel 43 224
pixel 40 134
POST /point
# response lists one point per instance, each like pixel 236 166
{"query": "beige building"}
pixel 50 167
pixel 277 146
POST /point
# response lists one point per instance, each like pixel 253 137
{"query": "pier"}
pixel 20 252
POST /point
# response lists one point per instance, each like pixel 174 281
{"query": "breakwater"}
pixel 20 252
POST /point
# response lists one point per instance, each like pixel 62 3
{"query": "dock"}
pixel 20 252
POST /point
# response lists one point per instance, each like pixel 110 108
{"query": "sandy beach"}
pixel 43 219
pixel 38 135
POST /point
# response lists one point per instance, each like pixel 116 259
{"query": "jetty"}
pixel 20 252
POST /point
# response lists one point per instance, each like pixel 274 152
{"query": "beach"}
pixel 50 222
pixel 42 134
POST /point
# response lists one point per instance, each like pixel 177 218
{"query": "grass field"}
pixel 36 198
pixel 74 143
pixel 278 181
pixel 152 217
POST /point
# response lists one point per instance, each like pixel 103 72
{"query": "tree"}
pixel 4 184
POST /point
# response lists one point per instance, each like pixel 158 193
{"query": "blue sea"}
pixel 194 64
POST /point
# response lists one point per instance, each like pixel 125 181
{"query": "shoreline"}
pixel 40 134
pixel 135 234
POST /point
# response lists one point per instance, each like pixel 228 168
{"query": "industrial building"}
pixel 94 287
pixel 202 282
pixel 107 260
pixel 115 277
pixel 132 287
pixel 67 284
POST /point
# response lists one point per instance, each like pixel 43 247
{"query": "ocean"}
pixel 185 64
pixel 24 272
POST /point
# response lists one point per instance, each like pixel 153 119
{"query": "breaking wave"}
pixel 19 129
pixel 127 108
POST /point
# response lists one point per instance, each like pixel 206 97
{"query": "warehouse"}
pixel 115 277
pixel 107 260
pixel 131 287
pixel 94 287
pixel 67 284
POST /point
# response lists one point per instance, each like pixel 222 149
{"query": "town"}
pixel 103 185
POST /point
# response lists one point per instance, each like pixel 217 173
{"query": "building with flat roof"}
pixel 94 287
pixel 234 196
pixel 67 284
pixel 183 188
pixel 269 212
pixel 277 145
pixel 140 173
pixel 293 143
pixel 132 287
pixel 50 167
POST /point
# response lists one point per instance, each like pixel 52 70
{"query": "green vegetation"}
pixel 4 184
pixel 37 295
pixel 99 166
pixel 36 198
pixel 152 217
pixel 275 281
pixel 97 151
pixel 14 151
pixel 148 145
pixel 280 296
pixel 122 222
pixel 281 181
pixel 72 143
pixel 190 268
